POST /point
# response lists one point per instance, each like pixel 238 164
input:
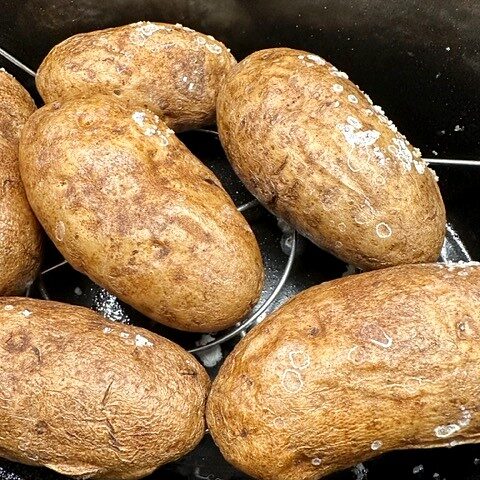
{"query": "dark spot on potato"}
pixel 117 91
pixel 17 342
pixel 38 354
pixel 465 328
pixel 247 380
pixel 7 183
pixel 180 277
pixel 243 433
pixel 41 427
pixel 271 199
pixel 161 249
pixel 191 373
pixel 211 181
pixel 314 331
pixel 85 120
pixel 56 105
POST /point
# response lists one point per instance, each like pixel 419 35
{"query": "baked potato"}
pixel 316 152
pixel 92 398
pixel 20 233
pixel 169 69
pixel 129 205
pixel 353 368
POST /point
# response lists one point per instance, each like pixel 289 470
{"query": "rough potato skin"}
pixel 169 69
pixel 315 151
pixel 20 233
pixel 92 398
pixel 353 368
pixel 129 205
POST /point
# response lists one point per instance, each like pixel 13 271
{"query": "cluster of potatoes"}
pixel 378 361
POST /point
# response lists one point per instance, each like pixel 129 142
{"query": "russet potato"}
pixel 93 398
pixel 315 151
pixel 353 368
pixel 20 233
pixel 129 205
pixel 169 69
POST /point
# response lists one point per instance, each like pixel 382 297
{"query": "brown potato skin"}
pixel 144 219
pixel 279 120
pixel 79 398
pixel 173 71
pixel 384 356
pixel 20 233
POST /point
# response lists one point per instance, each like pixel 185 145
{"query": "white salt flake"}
pixel 78 291
pixel 216 49
pixel 340 74
pixel 369 100
pixel 107 330
pixel 141 341
pixel 376 445
pixel 316 461
pixel 337 88
pixel 352 99
pixel 458 128
pixel 148 29
pixel 402 152
pixel 417 469
pixel 124 335
pixel 444 431
pixel 315 58
pixel 150 131
pixel 139 118
pixel 358 138
pixel 26 313
pixel 8 307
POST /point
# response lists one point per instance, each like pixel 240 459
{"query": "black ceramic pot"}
pixel 419 59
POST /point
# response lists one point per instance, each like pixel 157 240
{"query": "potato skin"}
pixel 313 149
pixel 129 205
pixel 20 233
pixel 169 69
pixel 353 368
pixel 92 398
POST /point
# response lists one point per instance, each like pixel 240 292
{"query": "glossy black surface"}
pixel 418 59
